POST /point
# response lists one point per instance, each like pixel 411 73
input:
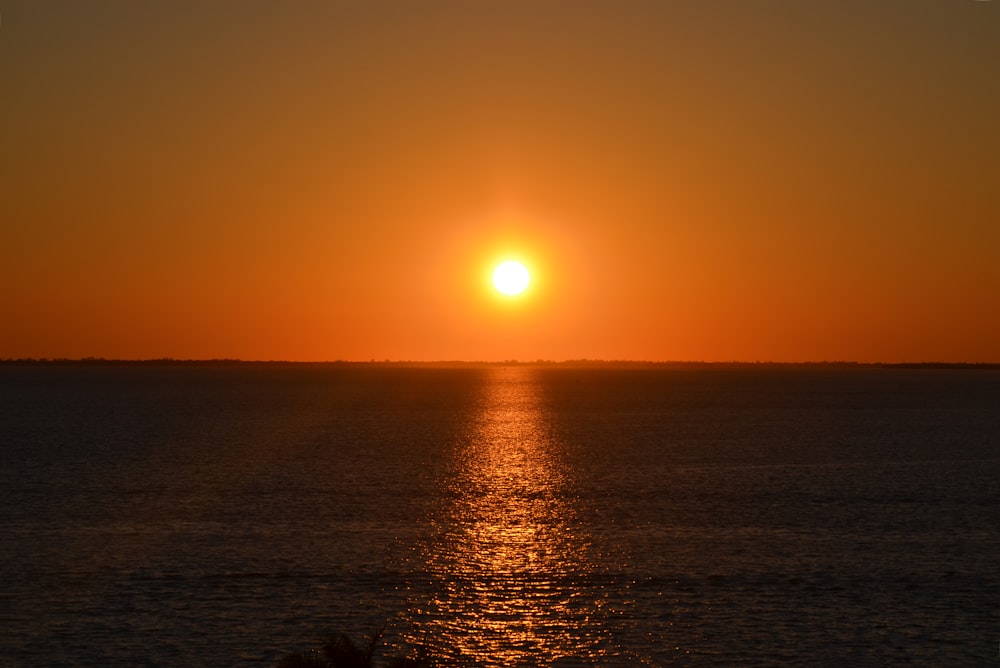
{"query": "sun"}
pixel 511 277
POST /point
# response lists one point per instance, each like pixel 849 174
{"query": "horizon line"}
pixel 164 361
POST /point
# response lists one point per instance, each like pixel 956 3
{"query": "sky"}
pixel 727 180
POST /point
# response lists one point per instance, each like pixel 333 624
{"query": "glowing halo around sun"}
pixel 511 278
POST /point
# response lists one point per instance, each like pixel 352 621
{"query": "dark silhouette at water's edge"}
pixel 339 651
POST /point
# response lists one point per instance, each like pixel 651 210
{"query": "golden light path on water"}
pixel 516 586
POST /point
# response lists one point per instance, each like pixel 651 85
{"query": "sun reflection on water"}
pixel 514 582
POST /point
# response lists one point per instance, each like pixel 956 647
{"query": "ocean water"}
pixel 502 515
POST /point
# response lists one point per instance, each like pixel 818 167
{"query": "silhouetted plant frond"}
pixel 374 640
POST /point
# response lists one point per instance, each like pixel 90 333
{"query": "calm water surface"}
pixel 219 516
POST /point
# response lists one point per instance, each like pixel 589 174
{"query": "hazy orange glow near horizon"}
pixel 779 180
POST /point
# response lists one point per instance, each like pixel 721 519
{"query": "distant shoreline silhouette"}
pixel 576 363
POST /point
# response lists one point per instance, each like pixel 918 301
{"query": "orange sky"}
pixel 779 181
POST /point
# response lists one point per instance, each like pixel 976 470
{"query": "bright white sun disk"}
pixel 511 277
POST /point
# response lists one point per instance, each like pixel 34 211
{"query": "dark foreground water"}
pixel 221 516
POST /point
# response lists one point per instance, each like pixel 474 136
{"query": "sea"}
pixel 500 515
